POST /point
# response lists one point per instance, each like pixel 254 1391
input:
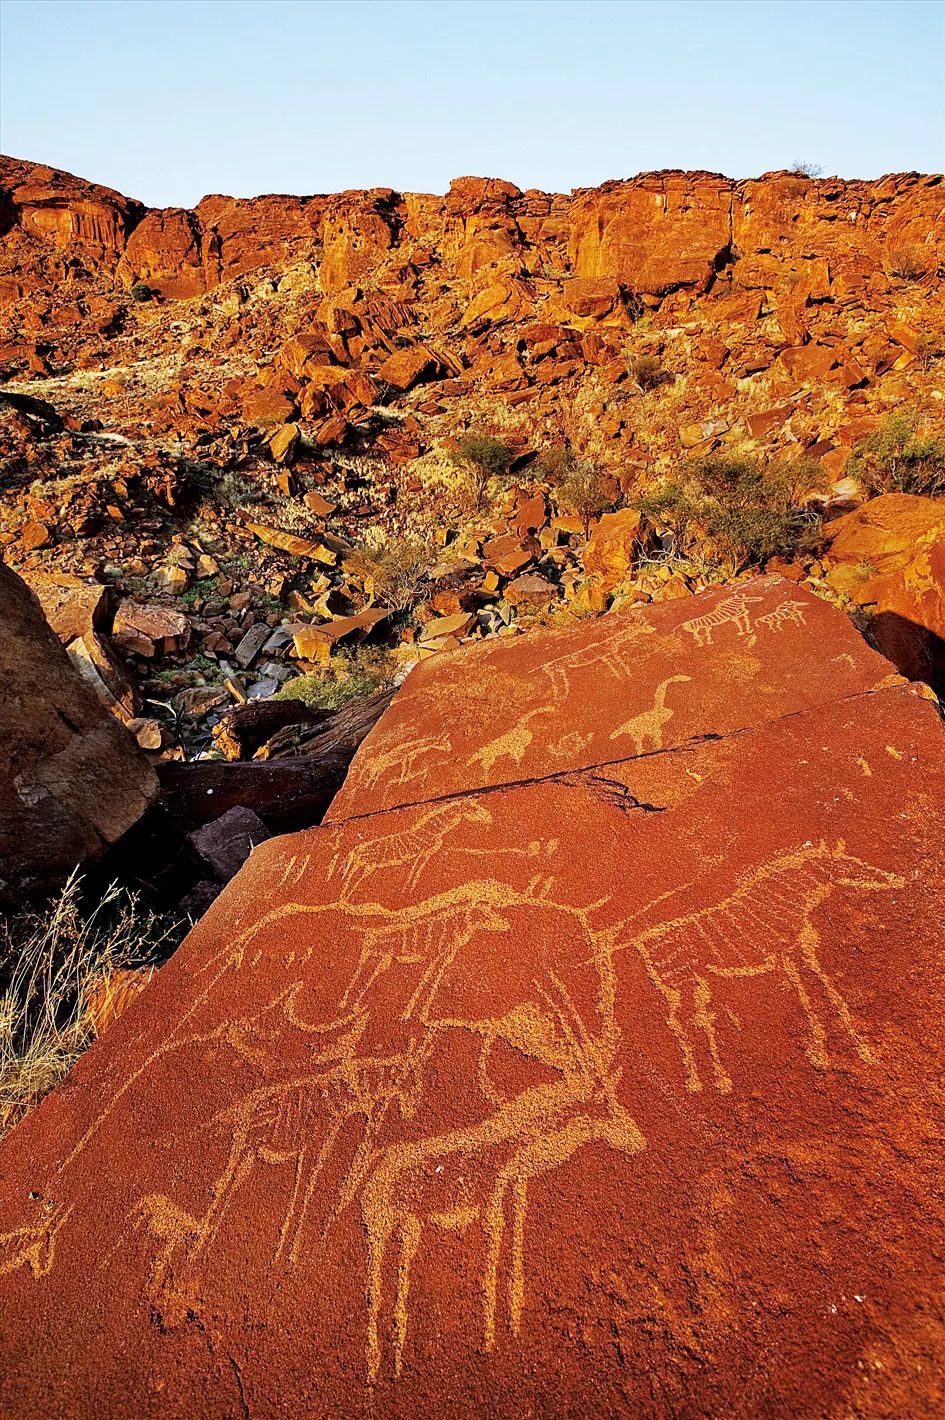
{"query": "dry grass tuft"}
pixel 54 964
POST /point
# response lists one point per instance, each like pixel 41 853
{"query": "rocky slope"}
pixel 233 397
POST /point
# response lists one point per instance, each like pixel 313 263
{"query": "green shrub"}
pixel 392 574
pixel 580 486
pixel 352 674
pixel 897 458
pixel 483 459
pixel 140 292
pixel 750 509
pixel 907 263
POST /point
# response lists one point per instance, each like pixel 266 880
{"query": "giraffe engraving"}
pixel 766 924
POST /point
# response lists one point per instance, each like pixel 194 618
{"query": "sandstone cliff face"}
pixel 654 234
pixel 584 1063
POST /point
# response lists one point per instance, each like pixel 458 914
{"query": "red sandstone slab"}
pixel 531 1102
pixel 627 684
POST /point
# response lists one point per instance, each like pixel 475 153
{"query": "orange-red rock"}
pixel 439 1108
pixel 628 683
pixel 889 557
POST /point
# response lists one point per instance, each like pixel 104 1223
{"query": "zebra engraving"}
pixel 730 611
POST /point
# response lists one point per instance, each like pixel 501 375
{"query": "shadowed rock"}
pixel 72 780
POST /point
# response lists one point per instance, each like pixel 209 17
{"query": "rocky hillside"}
pixel 221 414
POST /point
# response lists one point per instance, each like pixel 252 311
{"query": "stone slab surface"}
pixel 620 1093
pixel 626 684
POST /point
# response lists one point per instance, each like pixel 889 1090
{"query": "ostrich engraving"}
pixel 647 727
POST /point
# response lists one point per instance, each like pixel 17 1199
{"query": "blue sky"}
pixel 167 101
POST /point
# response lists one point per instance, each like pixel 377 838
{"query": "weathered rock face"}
pixel 630 684
pixel 890 558
pixel 595 1094
pixel 71 778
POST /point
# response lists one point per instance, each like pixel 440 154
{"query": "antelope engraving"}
pixel 611 650
pixel 785 614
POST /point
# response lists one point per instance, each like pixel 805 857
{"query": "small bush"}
pixel 646 372
pixel 897 458
pixel 580 486
pixel 52 963
pixel 803 168
pixel 141 292
pixel 352 675
pixel 392 574
pixel 749 509
pixel 483 459
pixel 908 263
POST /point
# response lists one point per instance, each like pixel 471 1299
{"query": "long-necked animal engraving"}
pixel 646 729
pixel 512 745
pixel 766 924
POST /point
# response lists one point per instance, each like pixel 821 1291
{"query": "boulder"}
pixel 72 780
pixel 144 628
pixel 225 844
pixel 406 367
pixel 889 557
pixel 610 548
pixel 71 606
pixel 610 1092
pixel 630 683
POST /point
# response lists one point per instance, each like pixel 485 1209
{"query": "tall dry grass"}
pixel 57 966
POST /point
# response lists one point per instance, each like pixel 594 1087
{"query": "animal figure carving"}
pixel 417 845
pixel 33 1245
pixel 400 763
pixel 316 1081
pixel 766 924
pixel 610 650
pixel 512 745
pixel 785 614
pixel 647 728
pixel 480 1174
pixel 730 611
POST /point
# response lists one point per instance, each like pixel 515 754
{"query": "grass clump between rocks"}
pixel 56 964
pixel 352 675
pixel 898 458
